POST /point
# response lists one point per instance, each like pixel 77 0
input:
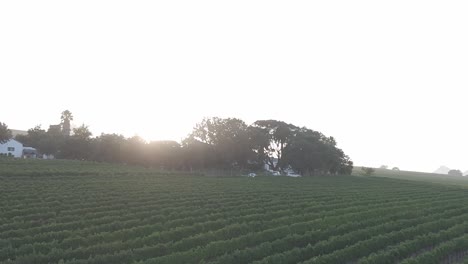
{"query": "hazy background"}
pixel 387 79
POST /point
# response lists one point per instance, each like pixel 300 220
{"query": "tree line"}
pixel 214 143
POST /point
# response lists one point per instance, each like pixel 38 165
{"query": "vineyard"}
pixel 81 212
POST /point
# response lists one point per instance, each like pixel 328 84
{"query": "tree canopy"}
pixel 214 143
pixel 5 133
pixel 455 173
pixel 66 116
pixel 310 152
pixel 228 139
pixel 278 134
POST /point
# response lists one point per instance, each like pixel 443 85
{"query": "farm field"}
pixel 82 212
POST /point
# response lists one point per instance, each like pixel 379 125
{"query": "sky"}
pixel 387 79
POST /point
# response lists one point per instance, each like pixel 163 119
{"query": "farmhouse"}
pixel 16 149
pixel 12 148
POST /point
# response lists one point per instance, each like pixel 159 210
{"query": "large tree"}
pixel 259 141
pixel 278 134
pixel 310 152
pixel 197 155
pixel 5 133
pixel 33 138
pixel 305 153
pixel 165 154
pixel 228 138
pixel 53 142
pixel 135 151
pixel 78 145
pixel 109 148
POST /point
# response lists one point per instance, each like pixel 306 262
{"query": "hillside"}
pixel 81 212
pixel 417 176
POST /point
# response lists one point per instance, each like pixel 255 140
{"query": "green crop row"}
pixel 83 212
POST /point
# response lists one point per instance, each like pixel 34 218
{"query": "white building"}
pixel 12 148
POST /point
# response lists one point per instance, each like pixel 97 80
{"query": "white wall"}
pixel 17 153
pixel 50 156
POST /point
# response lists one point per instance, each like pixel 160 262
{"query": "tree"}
pixel 34 138
pixel 49 142
pixel 197 155
pixel 66 118
pixel 109 148
pixel 278 133
pixel 78 145
pixel 304 153
pixel 367 171
pixel 347 165
pixel 395 169
pixel 259 142
pixel 5 133
pixel 384 167
pixel 455 173
pixel 52 142
pixel 165 154
pixel 310 152
pixel 227 138
pixel 135 151
pixel 82 132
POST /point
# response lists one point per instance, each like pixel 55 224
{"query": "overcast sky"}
pixel 387 79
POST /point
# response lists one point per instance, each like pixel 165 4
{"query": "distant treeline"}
pixel 215 143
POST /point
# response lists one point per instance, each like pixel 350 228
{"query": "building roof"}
pixel 28 150
pixel 11 140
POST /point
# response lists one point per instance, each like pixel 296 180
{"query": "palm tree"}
pixel 66 118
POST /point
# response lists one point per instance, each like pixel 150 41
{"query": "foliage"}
pixel 310 152
pixel 66 116
pixel 77 146
pixel 228 139
pixel 455 173
pixel 5 133
pixel 395 169
pixel 215 143
pixel 278 134
pixel 109 148
pixel 367 171
pixel 164 154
